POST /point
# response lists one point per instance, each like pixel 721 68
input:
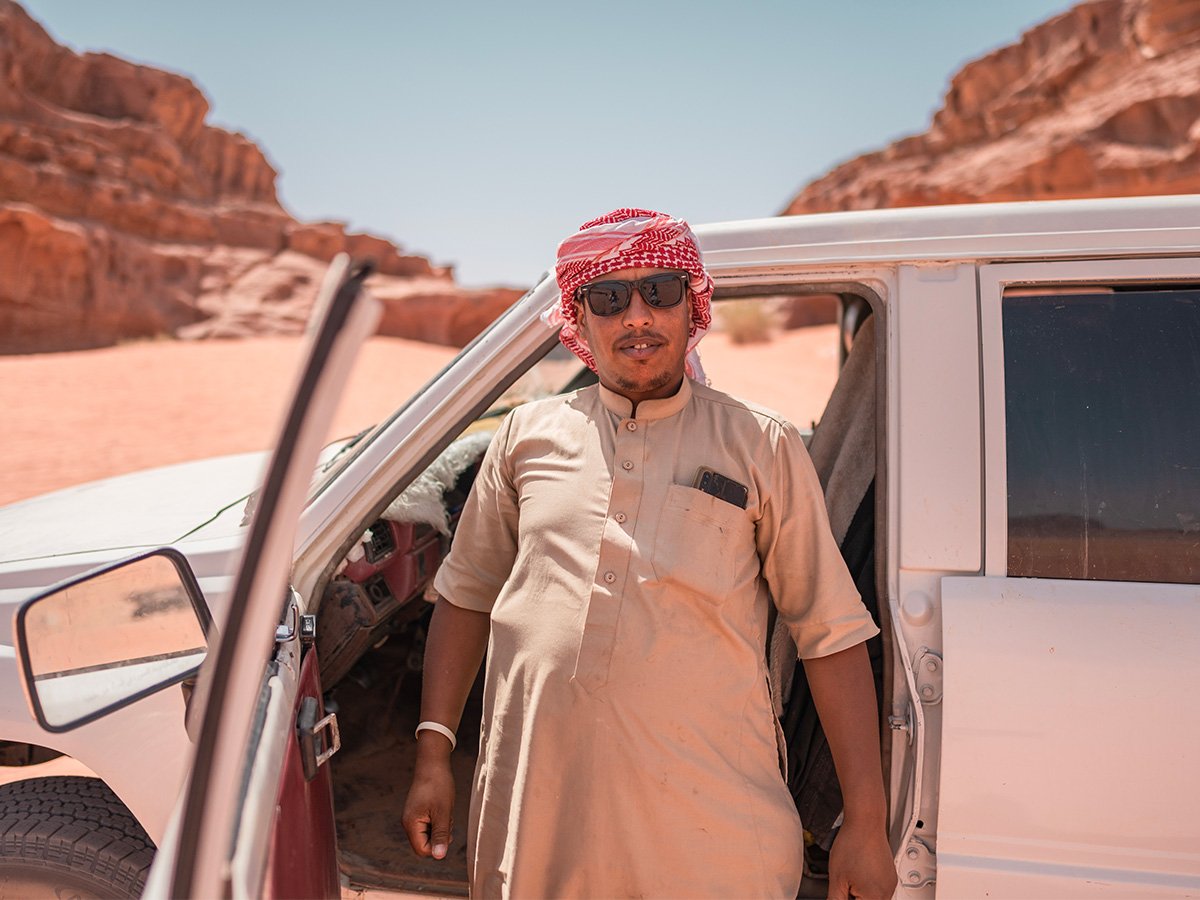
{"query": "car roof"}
pixel 1043 229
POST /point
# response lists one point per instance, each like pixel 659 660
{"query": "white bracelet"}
pixel 440 729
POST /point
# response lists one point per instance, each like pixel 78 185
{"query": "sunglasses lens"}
pixel 606 298
pixel 662 291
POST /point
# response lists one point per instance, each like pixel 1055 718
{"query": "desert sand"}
pixel 79 416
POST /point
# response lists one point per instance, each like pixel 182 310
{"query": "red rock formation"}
pixel 426 309
pixel 1103 100
pixel 123 214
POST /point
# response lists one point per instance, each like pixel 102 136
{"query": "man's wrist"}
pixel 865 806
pixel 869 815
pixel 432 747
pixel 438 728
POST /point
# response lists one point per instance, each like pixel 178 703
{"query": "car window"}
pixel 356 443
pixel 1102 404
pixel 777 350
pixel 556 372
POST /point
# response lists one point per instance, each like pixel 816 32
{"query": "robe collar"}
pixel 647 410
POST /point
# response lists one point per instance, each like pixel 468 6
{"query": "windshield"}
pixel 553 374
pixel 550 375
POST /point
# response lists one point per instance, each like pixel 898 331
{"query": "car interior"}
pixel 376 608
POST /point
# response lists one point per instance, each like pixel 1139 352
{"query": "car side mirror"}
pixel 98 642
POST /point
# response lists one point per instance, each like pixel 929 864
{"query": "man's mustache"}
pixel 641 337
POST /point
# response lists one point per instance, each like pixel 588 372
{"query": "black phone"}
pixel 721 487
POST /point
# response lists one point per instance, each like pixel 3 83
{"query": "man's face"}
pixel 639 352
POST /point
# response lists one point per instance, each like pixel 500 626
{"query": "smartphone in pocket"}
pixel 721 487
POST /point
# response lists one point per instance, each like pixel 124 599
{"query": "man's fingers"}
pixel 839 889
pixel 416 826
pixel 439 834
pixel 429 832
pixel 428 811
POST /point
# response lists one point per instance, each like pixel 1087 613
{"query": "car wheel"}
pixel 69 836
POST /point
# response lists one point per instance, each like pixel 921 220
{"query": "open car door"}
pixel 235 694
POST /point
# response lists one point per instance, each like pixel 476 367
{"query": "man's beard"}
pixel 661 380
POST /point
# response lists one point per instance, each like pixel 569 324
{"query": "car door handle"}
pixel 319 738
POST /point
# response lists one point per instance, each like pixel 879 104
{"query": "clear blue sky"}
pixel 480 134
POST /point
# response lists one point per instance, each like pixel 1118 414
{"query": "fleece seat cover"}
pixel 424 499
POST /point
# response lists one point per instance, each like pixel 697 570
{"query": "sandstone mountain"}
pixel 123 214
pixel 1103 100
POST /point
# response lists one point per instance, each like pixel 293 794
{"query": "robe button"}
pixel 631 425
pixel 627 465
pixel 609 577
pixel 620 517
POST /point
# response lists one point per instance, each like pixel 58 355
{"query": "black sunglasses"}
pixel 608 298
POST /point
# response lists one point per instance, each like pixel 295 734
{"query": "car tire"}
pixel 70 836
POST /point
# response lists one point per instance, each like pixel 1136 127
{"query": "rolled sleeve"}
pixel 803 568
pixel 485 541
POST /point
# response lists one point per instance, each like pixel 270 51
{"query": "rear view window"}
pixel 1102 399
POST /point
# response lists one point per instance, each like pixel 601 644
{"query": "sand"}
pixel 76 417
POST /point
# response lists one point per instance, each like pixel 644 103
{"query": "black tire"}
pixel 70 836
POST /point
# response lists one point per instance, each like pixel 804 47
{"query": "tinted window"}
pixel 1103 418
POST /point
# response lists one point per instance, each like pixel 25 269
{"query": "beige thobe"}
pixel 629 746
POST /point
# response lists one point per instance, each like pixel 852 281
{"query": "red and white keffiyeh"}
pixel 631 239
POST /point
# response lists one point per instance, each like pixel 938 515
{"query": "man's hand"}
pixel 429 809
pixel 453 651
pixel 861 865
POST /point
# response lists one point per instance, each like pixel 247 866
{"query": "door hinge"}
pixel 927 671
pixel 319 738
pixel 918 864
pixel 903 723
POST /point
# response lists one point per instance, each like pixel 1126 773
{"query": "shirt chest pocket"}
pixel 702 544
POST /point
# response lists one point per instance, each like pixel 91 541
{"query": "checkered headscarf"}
pixel 632 239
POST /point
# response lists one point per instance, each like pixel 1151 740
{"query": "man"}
pixel 621 547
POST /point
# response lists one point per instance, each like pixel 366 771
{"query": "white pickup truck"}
pixel 1011 458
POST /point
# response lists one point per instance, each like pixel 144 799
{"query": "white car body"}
pixel 1043 738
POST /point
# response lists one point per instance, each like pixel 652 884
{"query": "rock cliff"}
pixel 123 214
pixel 1103 100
